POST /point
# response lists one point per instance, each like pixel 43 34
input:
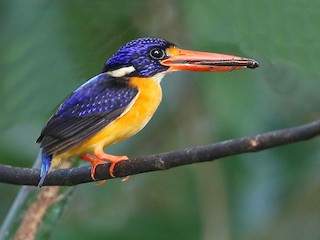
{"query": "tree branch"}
pixel 163 161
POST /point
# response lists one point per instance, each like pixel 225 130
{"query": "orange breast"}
pixel 130 122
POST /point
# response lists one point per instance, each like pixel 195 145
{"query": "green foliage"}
pixel 48 48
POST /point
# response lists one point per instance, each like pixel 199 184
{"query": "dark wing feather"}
pixel 85 112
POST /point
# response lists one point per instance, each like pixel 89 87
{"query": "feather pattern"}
pixel 85 112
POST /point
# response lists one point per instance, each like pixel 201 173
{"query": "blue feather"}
pixel 101 94
pixel 136 54
pixel 45 167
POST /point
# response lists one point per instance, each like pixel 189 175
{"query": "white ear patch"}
pixel 121 72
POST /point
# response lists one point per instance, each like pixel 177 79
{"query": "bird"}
pixel 120 101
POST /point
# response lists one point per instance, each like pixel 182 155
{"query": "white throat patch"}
pixel 121 72
pixel 158 77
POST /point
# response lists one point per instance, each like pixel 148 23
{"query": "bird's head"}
pixel 146 57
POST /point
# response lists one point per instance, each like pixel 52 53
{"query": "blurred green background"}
pixel 48 48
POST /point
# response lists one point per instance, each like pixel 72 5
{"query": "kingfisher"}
pixel 120 101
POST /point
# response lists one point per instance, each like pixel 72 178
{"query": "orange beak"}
pixel 180 59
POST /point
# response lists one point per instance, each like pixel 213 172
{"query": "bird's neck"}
pixel 158 77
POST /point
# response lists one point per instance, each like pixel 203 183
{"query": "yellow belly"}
pixel 128 124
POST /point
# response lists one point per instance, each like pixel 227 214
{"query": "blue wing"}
pixel 85 112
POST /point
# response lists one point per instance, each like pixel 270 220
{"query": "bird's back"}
pixel 88 110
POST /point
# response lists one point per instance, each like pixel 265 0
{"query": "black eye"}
pixel 157 53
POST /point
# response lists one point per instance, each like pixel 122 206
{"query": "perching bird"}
pixel 120 101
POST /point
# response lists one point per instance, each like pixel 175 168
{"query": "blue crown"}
pixel 137 54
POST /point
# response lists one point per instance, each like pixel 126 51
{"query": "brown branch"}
pixel 33 216
pixel 163 161
pixel 35 213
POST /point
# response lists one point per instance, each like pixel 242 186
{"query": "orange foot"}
pixel 101 158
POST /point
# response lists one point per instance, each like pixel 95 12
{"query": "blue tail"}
pixel 45 167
